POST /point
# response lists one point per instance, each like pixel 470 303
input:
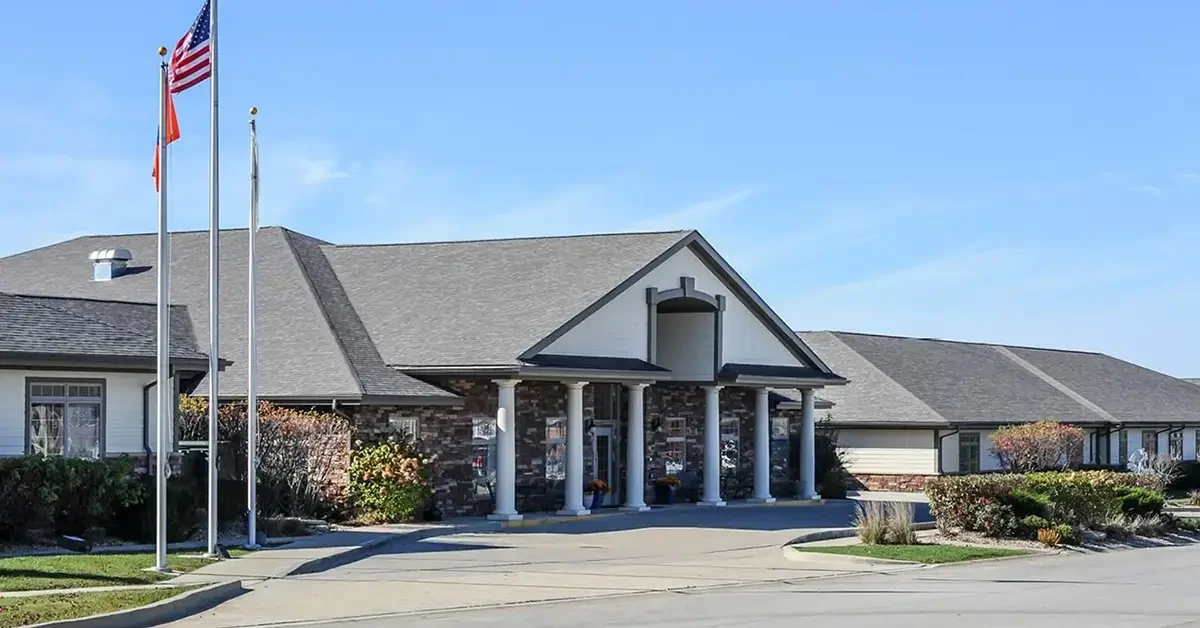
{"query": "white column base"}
pixel 713 503
pixel 813 497
pixel 642 508
pixel 500 516
pixel 574 512
pixel 761 500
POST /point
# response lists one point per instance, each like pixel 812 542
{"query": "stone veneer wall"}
pixel 903 483
pixel 446 434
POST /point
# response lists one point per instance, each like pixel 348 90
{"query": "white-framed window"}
pixel 1175 445
pixel 66 418
pixel 731 438
pixel 483 454
pixel 407 426
pixel 968 452
pixel 1123 447
pixel 1150 442
pixel 779 447
pixel 556 448
pixel 675 455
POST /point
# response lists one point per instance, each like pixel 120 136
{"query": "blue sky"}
pixel 1021 172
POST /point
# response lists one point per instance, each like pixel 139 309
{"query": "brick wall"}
pixel 903 483
pixel 446 434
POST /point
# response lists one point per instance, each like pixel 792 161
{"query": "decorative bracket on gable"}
pixel 685 298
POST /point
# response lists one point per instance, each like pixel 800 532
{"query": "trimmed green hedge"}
pixel 65 495
pixel 995 503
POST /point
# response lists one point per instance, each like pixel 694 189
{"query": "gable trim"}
pixel 609 296
pixel 713 260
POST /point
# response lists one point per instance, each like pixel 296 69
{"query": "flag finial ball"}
pixel 254 111
pixel 162 51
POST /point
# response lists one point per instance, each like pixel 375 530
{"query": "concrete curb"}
pixel 137 548
pixel 844 533
pixel 159 612
pixel 791 553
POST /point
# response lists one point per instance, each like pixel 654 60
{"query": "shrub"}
pixel 1068 534
pixel 977 502
pixel 1038 446
pixel 1162 471
pixel 833 484
pixel 1025 503
pixel 900 527
pixel 389 482
pixel 1187 524
pixel 1050 537
pixel 1145 526
pixel 870 519
pixel 1194 498
pixel 68 495
pixel 1188 478
pixel 1033 523
pixel 301 454
pixel 1135 501
pixel 1115 528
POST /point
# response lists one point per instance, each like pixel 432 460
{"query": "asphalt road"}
pixel 1147 588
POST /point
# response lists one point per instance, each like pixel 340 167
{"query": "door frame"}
pixel 606 431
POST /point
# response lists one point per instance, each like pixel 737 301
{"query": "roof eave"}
pixel 592 375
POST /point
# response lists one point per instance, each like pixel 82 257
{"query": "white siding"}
pixel 620 328
pixel 888 451
pixel 685 344
pixel 122 408
pixel 987 461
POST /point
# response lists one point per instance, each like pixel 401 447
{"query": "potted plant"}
pixel 664 489
pixel 598 488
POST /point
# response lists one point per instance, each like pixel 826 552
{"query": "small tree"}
pixel 1040 446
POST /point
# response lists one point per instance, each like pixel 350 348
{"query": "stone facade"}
pixel 460 480
pixel 902 483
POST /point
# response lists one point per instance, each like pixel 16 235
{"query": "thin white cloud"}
pixel 1156 191
pixel 697 214
pixel 320 171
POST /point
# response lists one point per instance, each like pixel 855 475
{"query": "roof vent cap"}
pixel 108 264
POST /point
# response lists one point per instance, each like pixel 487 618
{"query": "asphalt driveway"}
pixel 1147 588
pixel 674 550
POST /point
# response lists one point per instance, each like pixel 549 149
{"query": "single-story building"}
pixel 77 375
pixel 920 407
pixel 621 357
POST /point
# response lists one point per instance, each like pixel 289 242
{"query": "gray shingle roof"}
pixel 926 382
pixel 482 303
pixel 53 326
pixel 299 354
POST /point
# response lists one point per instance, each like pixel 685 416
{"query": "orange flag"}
pixel 172 135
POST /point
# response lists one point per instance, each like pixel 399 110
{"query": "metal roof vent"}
pixel 108 264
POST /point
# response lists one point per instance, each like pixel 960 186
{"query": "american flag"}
pixel 191 62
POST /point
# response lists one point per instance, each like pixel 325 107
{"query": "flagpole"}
pixel 252 353
pixel 214 290
pixel 162 382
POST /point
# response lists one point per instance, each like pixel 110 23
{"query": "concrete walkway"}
pixel 670 550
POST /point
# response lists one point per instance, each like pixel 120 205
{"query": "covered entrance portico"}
pixel 616 452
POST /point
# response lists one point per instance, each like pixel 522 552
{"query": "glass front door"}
pixel 602 456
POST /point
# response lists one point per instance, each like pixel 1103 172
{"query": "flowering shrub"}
pixel 1038 446
pixel 389 482
pixel 670 480
pixel 988 503
pixel 301 453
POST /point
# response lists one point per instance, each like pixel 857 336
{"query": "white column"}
pixel 712 447
pixel 635 452
pixel 762 447
pixel 574 501
pixel 506 453
pixel 808 458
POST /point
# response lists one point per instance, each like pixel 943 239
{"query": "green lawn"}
pixel 69 571
pixel 22 611
pixel 928 554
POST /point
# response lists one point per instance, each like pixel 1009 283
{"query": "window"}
pixel 968 452
pixel 483 454
pixel 407 426
pixel 65 419
pixel 676 453
pixel 730 443
pixel 1175 445
pixel 779 448
pixel 607 403
pixel 1150 442
pixel 1123 448
pixel 556 448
